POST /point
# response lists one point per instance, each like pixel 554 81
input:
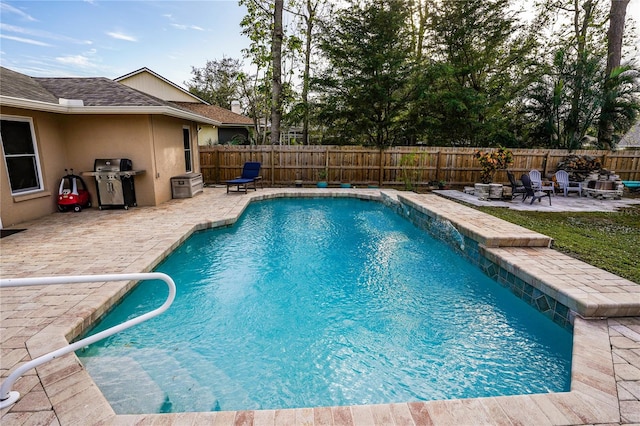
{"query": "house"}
pixel 232 126
pixel 631 140
pixel 51 124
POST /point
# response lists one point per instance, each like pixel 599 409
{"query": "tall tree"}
pixel 362 91
pixel 615 34
pixel 583 21
pixel 276 78
pixel 479 52
pixel 257 26
pixel 309 16
pixel 217 82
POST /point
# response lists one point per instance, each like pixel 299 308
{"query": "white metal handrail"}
pixel 9 397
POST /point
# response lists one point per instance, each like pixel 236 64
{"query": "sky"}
pixel 96 38
pixel 105 38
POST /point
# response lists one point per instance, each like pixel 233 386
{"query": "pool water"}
pixel 321 302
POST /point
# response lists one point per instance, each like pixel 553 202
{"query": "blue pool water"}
pixel 319 302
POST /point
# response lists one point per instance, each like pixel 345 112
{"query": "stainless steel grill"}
pixel 114 181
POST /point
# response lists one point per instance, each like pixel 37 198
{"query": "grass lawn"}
pixel 610 241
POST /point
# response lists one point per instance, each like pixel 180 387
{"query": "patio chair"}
pixel 532 192
pixel 250 175
pixel 566 186
pixel 516 189
pixel 536 182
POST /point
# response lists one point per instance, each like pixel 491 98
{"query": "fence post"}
pixel 216 163
pixel 380 167
pixel 546 163
pixel 273 172
pixel 437 178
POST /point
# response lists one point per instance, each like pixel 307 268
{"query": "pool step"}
pixel 125 384
pixel 153 382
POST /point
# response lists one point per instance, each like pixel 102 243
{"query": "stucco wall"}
pixel 112 136
pixel 169 159
pixel 153 143
pixel 51 151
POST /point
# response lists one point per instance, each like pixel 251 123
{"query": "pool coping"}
pixel 65 387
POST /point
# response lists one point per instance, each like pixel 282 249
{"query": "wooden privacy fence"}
pixel 283 165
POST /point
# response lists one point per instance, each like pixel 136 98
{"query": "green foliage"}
pixel 610 241
pixel 477 54
pixel 409 164
pixel 362 92
pixel 492 161
pixel 217 82
pixel 620 103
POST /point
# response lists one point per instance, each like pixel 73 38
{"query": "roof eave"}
pixel 236 125
pixel 31 104
pixel 135 110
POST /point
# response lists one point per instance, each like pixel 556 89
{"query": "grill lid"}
pixel 112 165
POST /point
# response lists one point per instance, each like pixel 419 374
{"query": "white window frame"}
pixel 35 154
pixel 188 165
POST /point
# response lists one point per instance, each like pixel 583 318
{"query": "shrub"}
pixel 492 161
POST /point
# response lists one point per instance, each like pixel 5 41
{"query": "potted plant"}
pixel 322 179
pixel 491 162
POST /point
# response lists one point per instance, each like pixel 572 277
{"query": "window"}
pixel 186 138
pixel 20 154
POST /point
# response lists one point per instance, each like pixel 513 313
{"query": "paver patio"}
pixel 605 386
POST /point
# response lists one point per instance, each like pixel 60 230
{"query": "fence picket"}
pixel 282 165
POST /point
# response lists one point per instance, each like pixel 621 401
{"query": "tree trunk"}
pixel 310 21
pixel 276 83
pixel 573 134
pixel 614 54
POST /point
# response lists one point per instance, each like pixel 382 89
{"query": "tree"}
pixel 479 53
pixel 362 91
pixel 309 15
pixel 575 86
pixel 614 56
pixel 256 25
pixel 217 82
pixel 276 78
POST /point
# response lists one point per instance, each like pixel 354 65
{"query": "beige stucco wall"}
pixel 52 154
pixel 152 85
pixel 169 159
pixel 153 143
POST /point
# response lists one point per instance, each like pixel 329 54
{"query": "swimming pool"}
pixel 382 328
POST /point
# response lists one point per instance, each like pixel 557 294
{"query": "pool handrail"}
pixel 9 397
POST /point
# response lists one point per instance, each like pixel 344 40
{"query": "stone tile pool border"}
pixel 34 321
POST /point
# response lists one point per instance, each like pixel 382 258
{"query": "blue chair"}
pixel 250 175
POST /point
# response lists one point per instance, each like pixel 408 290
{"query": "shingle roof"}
pixel 98 91
pixel 22 86
pixel 93 91
pixel 632 138
pixel 217 113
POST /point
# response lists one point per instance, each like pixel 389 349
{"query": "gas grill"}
pixel 114 182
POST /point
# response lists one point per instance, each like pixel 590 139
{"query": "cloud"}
pixel 5 8
pixel 77 60
pixel 121 36
pixel 187 27
pixel 24 40
pixel 7 28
